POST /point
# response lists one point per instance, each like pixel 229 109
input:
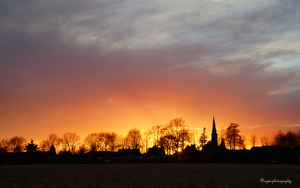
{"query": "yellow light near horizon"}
pixel 179 149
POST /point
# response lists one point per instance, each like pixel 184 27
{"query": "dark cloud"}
pixel 57 55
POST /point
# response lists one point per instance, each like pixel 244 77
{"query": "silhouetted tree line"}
pixel 172 137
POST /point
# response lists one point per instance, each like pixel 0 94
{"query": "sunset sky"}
pixel 91 66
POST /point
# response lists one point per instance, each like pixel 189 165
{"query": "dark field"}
pixel 148 175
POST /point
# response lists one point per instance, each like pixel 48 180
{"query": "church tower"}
pixel 214 135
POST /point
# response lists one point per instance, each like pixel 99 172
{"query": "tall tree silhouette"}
pixel 168 142
pixel 112 140
pixel 290 139
pixel 17 144
pixel 106 141
pixel 178 129
pixel 233 137
pixel 69 141
pixel 102 144
pixel 54 140
pixel 185 137
pixel 122 142
pixel 203 138
pixel 193 135
pixel 147 138
pixel 91 141
pixel 253 140
pixel 134 138
pixel 44 145
pixel 156 132
pixel 3 146
pixel 264 141
pixel 243 142
pixel 279 139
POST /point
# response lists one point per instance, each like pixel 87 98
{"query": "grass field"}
pixel 148 175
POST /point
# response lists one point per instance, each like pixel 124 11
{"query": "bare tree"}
pixel 222 135
pixel 112 140
pixel 178 129
pixel 193 136
pixel 105 140
pixel 166 137
pixel 185 137
pixel 147 138
pixel 166 140
pixel 102 141
pixel 233 138
pixel 243 142
pixel 44 145
pixel 253 140
pixel 91 141
pixel 17 144
pixel 82 149
pixel 54 140
pixel 69 141
pixel 134 138
pixel 203 138
pixel 291 139
pixel 3 146
pixel 156 132
pixel 279 139
pixel 122 142
pixel 108 139
pixel 264 141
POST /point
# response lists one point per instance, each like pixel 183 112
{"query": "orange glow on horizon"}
pixel 88 123
pixel 97 75
pixel 121 115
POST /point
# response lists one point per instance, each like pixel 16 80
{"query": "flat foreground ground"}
pixel 149 175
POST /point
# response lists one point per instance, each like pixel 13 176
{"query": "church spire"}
pixel 214 135
pixel 214 130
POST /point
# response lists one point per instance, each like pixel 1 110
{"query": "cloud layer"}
pixel 110 65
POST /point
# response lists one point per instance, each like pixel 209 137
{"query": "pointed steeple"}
pixel 214 130
pixel 214 135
